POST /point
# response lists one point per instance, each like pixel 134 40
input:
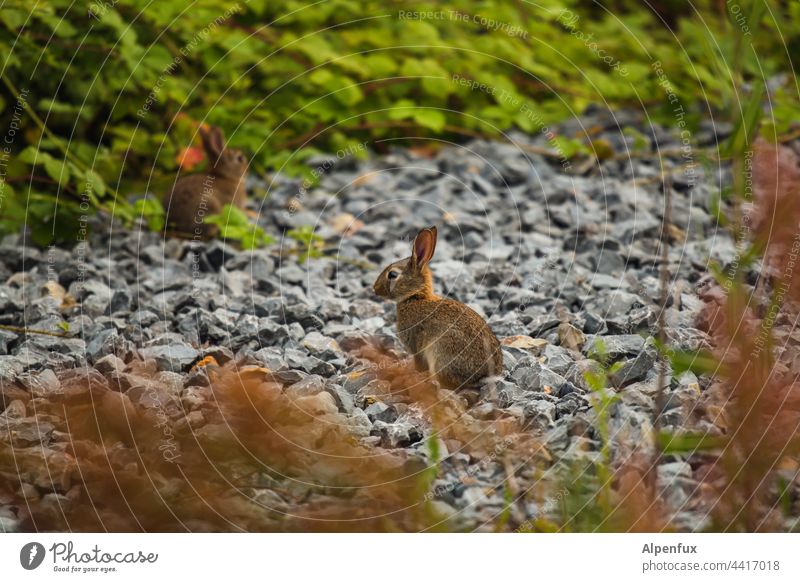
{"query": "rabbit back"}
pixel 191 200
pixel 451 339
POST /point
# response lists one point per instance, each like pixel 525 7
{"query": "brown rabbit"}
pixel 200 195
pixel 445 337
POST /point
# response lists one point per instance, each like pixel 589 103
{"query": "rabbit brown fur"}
pixel 444 336
pixel 200 195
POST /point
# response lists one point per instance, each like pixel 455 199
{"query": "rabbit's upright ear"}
pixel 217 139
pixel 424 246
pixel 213 142
pixel 207 135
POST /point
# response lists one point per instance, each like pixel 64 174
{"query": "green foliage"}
pixel 699 362
pixel 508 502
pixel 113 91
pixel 579 507
pixel 234 225
pixel 602 400
pixel 589 503
pixel 151 211
pixel 746 126
pixel 426 478
pixel 639 140
pixel 688 442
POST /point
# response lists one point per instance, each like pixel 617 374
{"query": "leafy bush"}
pixel 107 95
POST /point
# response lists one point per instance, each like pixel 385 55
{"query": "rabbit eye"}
pixel 393 275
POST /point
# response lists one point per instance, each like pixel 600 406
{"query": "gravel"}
pixel 563 266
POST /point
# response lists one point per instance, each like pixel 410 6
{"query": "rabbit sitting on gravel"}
pixel 445 337
pixel 200 195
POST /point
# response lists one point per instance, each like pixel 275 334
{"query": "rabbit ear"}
pixel 424 246
pixel 217 139
pixel 207 135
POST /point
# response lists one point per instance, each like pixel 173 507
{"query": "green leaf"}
pixel 349 94
pixel 568 147
pixel 52 106
pixel 61 27
pixel 745 131
pixel 305 235
pixel 430 118
pixel 689 442
pixel 639 140
pixel 699 362
pixel 30 155
pixel 13 18
pixel 95 182
pixel 316 48
pixel 381 64
pixel 234 225
pixel 6 191
pixel 310 243
pixel 322 76
pixel 230 217
pixel 403 109
pixel 255 238
pixel 152 212
pixel 56 169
